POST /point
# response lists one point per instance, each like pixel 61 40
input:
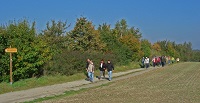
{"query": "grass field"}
pixel 178 83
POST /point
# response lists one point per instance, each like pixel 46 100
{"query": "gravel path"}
pixel 57 89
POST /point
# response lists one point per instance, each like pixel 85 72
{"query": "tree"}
pixel 54 34
pixel 146 47
pixel 4 69
pixel 156 49
pixel 133 43
pixel 170 49
pixel 32 53
pixel 121 29
pixel 84 36
pixel 185 51
pixel 106 36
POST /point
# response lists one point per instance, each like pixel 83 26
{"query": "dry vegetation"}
pixel 178 83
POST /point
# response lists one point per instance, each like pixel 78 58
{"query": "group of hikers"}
pixel 103 67
pixel 158 61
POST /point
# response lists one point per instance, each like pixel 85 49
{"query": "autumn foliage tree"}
pixel 133 43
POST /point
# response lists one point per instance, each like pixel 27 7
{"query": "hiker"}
pixel 146 62
pixel 102 68
pixel 158 61
pixel 163 61
pixel 177 60
pixel 90 71
pixel 110 68
pixel 142 62
pixel 154 61
pixel 87 64
pixel 169 60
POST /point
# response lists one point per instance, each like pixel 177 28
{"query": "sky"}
pixel 157 20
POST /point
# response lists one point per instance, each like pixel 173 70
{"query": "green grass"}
pixel 50 80
pixel 38 82
pixel 130 66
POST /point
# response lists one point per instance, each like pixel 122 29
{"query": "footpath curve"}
pixel 58 89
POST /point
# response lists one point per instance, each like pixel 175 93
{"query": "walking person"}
pixel 159 61
pixel 90 71
pixel 110 68
pixel 102 68
pixel 163 61
pixel 143 62
pixel 87 64
pixel 146 62
pixel 154 61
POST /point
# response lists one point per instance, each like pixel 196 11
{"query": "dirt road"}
pixel 57 89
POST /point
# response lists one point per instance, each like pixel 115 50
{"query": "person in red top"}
pixel 154 61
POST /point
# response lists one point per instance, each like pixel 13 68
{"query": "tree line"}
pixel 56 51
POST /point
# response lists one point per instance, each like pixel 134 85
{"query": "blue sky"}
pixel 174 20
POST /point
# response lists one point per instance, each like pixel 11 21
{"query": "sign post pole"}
pixel 11 50
pixel 11 81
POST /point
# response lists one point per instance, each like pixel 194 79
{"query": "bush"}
pixel 71 62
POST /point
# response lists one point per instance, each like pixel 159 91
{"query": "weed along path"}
pixel 178 83
pixel 59 89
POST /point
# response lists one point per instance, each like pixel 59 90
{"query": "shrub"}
pixel 71 62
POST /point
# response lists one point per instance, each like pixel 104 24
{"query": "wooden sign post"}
pixel 11 50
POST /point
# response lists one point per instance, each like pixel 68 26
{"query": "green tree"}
pixel 133 43
pixel 32 53
pixel 4 67
pixel 146 47
pixel 105 35
pixel 122 53
pixel 121 29
pixel 54 35
pixel 84 36
pixel 185 51
pixel 170 49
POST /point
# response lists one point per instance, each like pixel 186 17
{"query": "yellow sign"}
pixel 11 50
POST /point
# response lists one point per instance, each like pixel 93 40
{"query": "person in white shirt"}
pixel 146 62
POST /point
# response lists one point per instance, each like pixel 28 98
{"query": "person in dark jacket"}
pixel 110 68
pixel 102 68
pixel 86 67
pixel 163 61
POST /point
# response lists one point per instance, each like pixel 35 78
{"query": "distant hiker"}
pixel 154 60
pixel 142 62
pixel 163 61
pixel 102 68
pixel 169 60
pixel 90 71
pixel 146 62
pixel 158 61
pixel 172 60
pixel 177 60
pixel 110 68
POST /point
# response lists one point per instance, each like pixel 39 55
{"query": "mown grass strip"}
pixel 67 93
